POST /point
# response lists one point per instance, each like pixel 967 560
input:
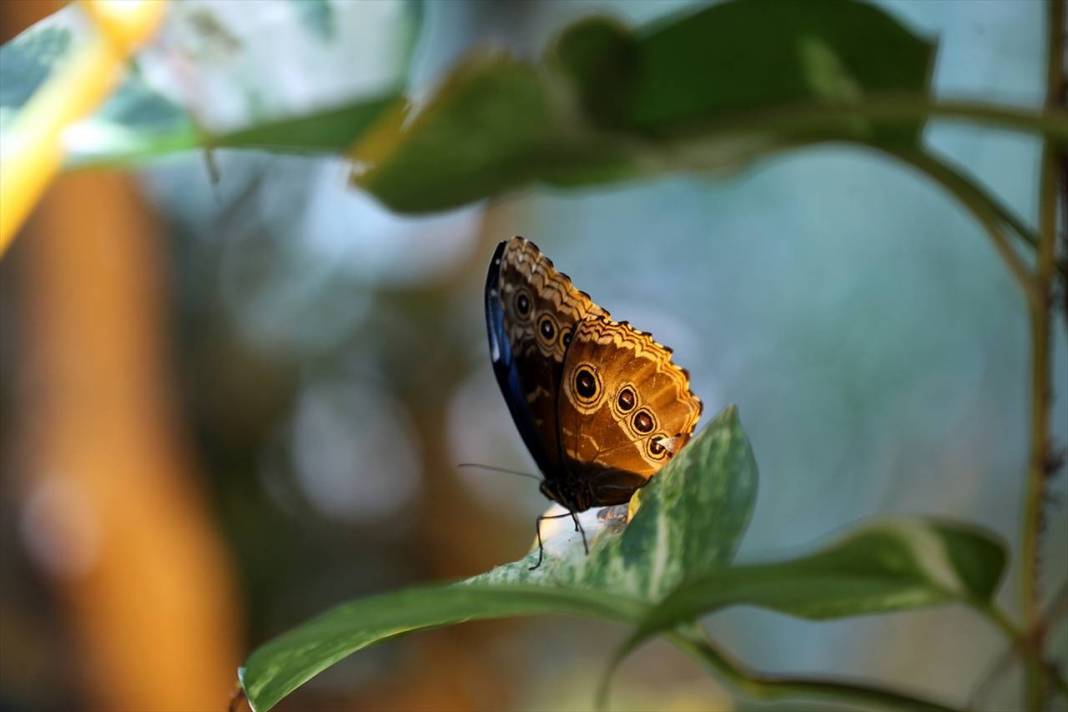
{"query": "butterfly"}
pixel 599 404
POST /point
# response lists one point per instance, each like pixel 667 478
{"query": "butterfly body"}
pixel 599 404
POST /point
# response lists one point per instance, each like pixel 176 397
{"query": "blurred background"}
pixel 226 407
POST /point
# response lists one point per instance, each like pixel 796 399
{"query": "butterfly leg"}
pixel 580 530
pixel 541 547
pixel 537 529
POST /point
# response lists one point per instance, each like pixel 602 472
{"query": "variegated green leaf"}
pixel 691 519
pixel 889 565
pixel 276 669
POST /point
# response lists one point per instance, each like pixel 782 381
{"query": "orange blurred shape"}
pixel 112 507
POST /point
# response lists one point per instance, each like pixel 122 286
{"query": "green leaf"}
pixel 493 126
pixel 599 56
pixel 284 664
pixel 890 565
pixel 209 99
pixel 704 90
pixel 691 520
pixel 756 54
pixel 325 131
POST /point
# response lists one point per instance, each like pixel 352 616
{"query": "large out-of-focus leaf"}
pixel 751 55
pixel 691 518
pixel 704 90
pixel 890 565
pixel 493 126
pixel 225 74
pixel 284 664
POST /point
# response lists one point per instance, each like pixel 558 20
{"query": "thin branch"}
pixel 882 109
pixel 1041 385
pixel 1056 610
pixel 772 687
pixel 693 640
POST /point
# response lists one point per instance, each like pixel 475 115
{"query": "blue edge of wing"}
pixel 504 367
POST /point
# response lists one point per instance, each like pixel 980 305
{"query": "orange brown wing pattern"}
pixel 624 407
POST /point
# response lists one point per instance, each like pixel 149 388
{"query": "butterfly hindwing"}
pixel 624 407
pixel 531 310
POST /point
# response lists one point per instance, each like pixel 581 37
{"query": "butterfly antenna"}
pixel 506 471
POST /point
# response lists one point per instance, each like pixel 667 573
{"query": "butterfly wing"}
pixel 531 310
pixel 624 408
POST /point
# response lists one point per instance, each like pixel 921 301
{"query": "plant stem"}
pixel 882 109
pixel 1041 386
pixel 879 108
pixel 772 687
pixel 1019 646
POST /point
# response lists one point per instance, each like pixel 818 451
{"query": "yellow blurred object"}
pixel 31 152
pixel 126 23
pixel 633 504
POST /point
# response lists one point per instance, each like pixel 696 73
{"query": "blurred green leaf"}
pixel 599 56
pixel 891 565
pixel 493 126
pixel 751 55
pixel 284 664
pixel 609 103
pixel 144 119
pixel 324 131
pixel 320 132
pixel 691 519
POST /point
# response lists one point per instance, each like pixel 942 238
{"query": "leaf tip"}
pixel 727 417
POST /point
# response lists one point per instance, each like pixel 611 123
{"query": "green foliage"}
pixel 691 520
pixel 316 132
pixel 891 565
pixel 279 667
pixel 711 90
pixel 668 566
pixel 609 103
pixel 141 120
pixel 805 51
pixel 491 127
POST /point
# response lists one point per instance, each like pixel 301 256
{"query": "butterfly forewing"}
pixel 531 310
pixel 624 407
